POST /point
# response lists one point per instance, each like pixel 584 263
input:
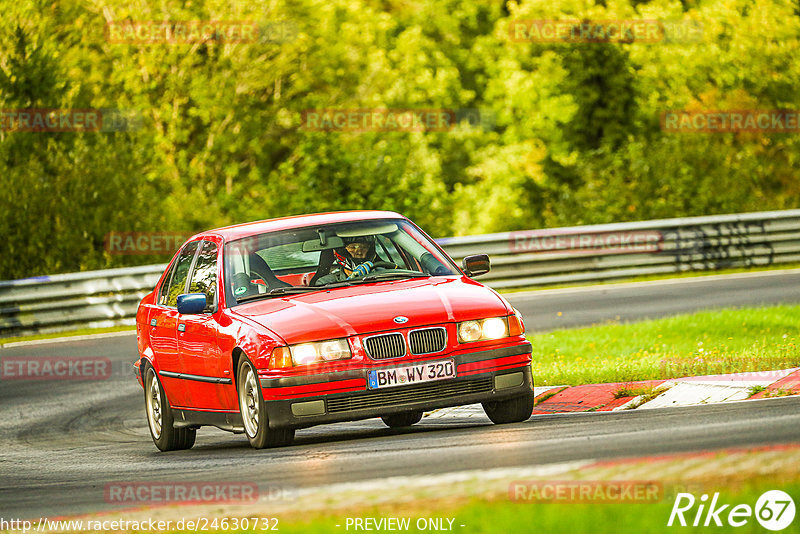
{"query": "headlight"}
pixel 492 328
pixel 469 331
pixel 321 351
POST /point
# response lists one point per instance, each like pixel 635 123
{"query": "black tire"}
pixel 160 420
pixel 514 410
pixel 399 420
pixel 254 410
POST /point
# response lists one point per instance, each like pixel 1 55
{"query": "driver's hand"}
pixel 361 270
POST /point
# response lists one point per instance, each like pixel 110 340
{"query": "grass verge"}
pixel 780 392
pixel 500 515
pixel 68 333
pixel 703 343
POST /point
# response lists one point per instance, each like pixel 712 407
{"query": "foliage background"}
pixel 575 138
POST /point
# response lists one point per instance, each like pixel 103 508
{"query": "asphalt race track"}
pixel 61 442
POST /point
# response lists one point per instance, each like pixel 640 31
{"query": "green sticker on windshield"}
pixel 240 290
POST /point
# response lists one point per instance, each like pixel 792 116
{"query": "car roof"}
pixel 237 231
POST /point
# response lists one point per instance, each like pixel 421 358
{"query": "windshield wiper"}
pixel 371 278
pixel 288 290
pixel 333 285
pixel 277 292
pixel 389 276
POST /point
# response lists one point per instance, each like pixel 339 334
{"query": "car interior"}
pixel 303 257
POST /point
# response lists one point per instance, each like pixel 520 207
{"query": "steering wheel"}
pixel 255 275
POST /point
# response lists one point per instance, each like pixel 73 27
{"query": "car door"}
pixel 164 324
pixel 204 370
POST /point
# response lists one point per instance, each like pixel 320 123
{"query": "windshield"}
pixel 334 255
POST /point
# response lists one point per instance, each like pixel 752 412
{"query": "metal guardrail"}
pixel 624 250
pixel 91 299
pixel 529 258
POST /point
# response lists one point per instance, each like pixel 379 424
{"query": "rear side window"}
pixel 179 275
pixel 162 293
pixel 204 276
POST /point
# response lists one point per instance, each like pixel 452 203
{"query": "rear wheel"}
pixel 400 420
pixel 514 410
pixel 254 411
pixel 160 419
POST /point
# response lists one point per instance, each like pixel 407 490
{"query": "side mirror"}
pixel 191 303
pixel 476 264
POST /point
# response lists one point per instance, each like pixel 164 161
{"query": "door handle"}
pixel 182 327
pixel 153 322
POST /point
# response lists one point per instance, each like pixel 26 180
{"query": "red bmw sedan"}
pixel 268 327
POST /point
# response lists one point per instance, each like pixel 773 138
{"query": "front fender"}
pixel 255 340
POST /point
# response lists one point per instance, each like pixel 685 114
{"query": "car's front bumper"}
pixel 483 376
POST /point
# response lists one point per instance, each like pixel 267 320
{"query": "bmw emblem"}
pixel 400 319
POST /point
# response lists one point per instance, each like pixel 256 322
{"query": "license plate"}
pixel 412 374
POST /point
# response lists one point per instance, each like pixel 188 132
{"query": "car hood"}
pixel 363 309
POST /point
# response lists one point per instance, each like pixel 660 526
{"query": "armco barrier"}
pixel 91 299
pixel 519 259
pixel 623 250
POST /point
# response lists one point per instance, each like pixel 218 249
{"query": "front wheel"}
pixel 514 410
pixel 400 420
pixel 160 419
pixel 254 410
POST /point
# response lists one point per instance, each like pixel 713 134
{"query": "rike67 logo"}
pixel 774 510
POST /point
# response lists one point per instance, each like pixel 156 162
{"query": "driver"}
pixel 356 260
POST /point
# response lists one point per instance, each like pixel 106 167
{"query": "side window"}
pixel 178 282
pixel 162 292
pixel 204 277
